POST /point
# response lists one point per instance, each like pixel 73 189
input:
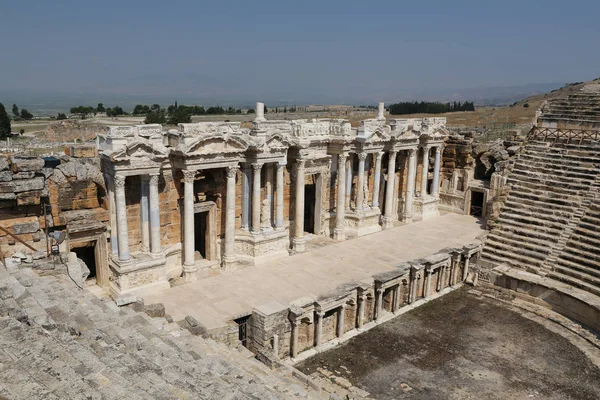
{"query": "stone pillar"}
pixel 436 172
pixel 396 303
pixel 112 208
pixel 144 213
pixel 378 303
pixel 377 179
pixel 275 345
pixel 260 112
pixel 453 266
pixel 427 290
pixel 440 278
pixel 348 181
pixel 424 171
pixel 122 229
pixel 381 112
pixel 256 197
pixel 246 171
pixel 280 188
pixel 410 184
pixel 465 268
pixel 413 286
pixel 189 263
pixel 340 321
pixel 388 218
pixel 298 242
pixel 360 182
pixel 362 299
pixel 294 338
pixel 154 215
pixel 269 191
pixel 339 232
pixel 319 315
pixel 229 254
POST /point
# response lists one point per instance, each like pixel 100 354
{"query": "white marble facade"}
pixel 370 171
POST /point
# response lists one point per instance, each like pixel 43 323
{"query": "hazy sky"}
pixel 294 49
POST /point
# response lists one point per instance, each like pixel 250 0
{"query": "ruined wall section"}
pixel 71 188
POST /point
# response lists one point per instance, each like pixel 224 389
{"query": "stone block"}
pixel 24 175
pixel 20 228
pixel 4 164
pixel 26 164
pixel 26 185
pixel 6 176
pixel 155 310
pixel 29 198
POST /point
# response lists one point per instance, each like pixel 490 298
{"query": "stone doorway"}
pixel 477 202
pixel 310 192
pixel 87 253
pixel 205 230
pixel 200 233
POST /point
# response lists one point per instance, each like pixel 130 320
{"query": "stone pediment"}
pixel 138 150
pixel 277 141
pixel 215 144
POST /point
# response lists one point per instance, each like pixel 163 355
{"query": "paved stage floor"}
pixel 214 300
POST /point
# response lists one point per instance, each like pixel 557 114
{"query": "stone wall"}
pixel 72 189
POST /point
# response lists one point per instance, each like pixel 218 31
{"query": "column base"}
pixel 407 218
pixel 228 263
pixel 387 222
pixel 189 273
pixel 339 235
pixel 298 245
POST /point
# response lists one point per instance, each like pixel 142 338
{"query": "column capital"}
pixel 379 291
pixel 393 153
pixel 412 152
pixel 231 171
pixel 257 166
pixel 426 147
pixel 320 313
pixel 281 163
pixel 300 162
pixel 438 148
pixel 362 156
pixel 188 175
pixel 154 179
pixel 378 155
pixel 119 181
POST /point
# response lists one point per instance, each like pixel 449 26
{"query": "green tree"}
pixel 22 131
pixel 26 114
pixel 100 108
pixel 155 107
pixel 155 117
pixel 180 115
pixel 251 111
pixel 4 123
pixel 15 111
pixel 61 116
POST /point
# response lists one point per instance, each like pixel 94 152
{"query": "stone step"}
pixel 576 258
pixel 525 231
pixel 572 173
pixel 564 263
pixel 575 282
pixel 573 178
pixel 552 157
pixel 514 201
pixel 525 160
pixel 551 215
pixel 517 193
pixel 517 252
pixel 517 241
pixel 539 222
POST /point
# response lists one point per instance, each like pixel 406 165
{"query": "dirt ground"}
pixel 462 347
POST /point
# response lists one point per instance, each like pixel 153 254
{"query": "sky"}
pixel 294 50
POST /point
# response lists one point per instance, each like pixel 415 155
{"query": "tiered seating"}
pixel 59 342
pixel 579 262
pixel 548 185
pixel 580 108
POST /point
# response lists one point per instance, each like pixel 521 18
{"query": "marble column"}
pixel 396 303
pixel 377 179
pixel 440 278
pixel 340 321
pixel 319 315
pixel 280 188
pixel 413 286
pixel 378 303
pixel 269 191
pixel 436 172
pixel 294 338
pixel 339 232
pixel 256 168
pixel 427 290
pixel 298 241
pixel 229 253
pixel 144 213
pixel 388 218
pixel 189 262
pixel 410 184
pixel 362 299
pixel 381 112
pixel 260 112
pixel 424 171
pixel 465 268
pixel 348 181
pixel 122 229
pixel 246 171
pixel 360 182
pixel 114 237
pixel 154 215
